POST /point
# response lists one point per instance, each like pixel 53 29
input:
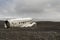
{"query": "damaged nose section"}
pixel 6 24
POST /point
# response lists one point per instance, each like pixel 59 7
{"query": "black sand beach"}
pixel 45 30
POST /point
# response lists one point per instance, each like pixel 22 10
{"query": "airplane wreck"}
pixel 19 22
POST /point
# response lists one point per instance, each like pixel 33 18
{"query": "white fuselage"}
pixel 22 22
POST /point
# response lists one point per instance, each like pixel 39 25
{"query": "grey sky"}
pixel 42 9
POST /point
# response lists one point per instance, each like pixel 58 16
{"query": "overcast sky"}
pixel 41 9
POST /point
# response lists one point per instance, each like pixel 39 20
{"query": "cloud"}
pixel 42 9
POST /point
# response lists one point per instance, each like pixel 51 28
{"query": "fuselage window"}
pixel 23 22
pixel 13 23
pixel 19 22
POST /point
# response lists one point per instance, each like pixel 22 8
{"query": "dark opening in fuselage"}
pixel 7 24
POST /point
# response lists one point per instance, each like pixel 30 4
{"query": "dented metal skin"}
pixel 22 22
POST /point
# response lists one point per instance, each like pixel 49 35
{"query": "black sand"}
pixel 43 31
